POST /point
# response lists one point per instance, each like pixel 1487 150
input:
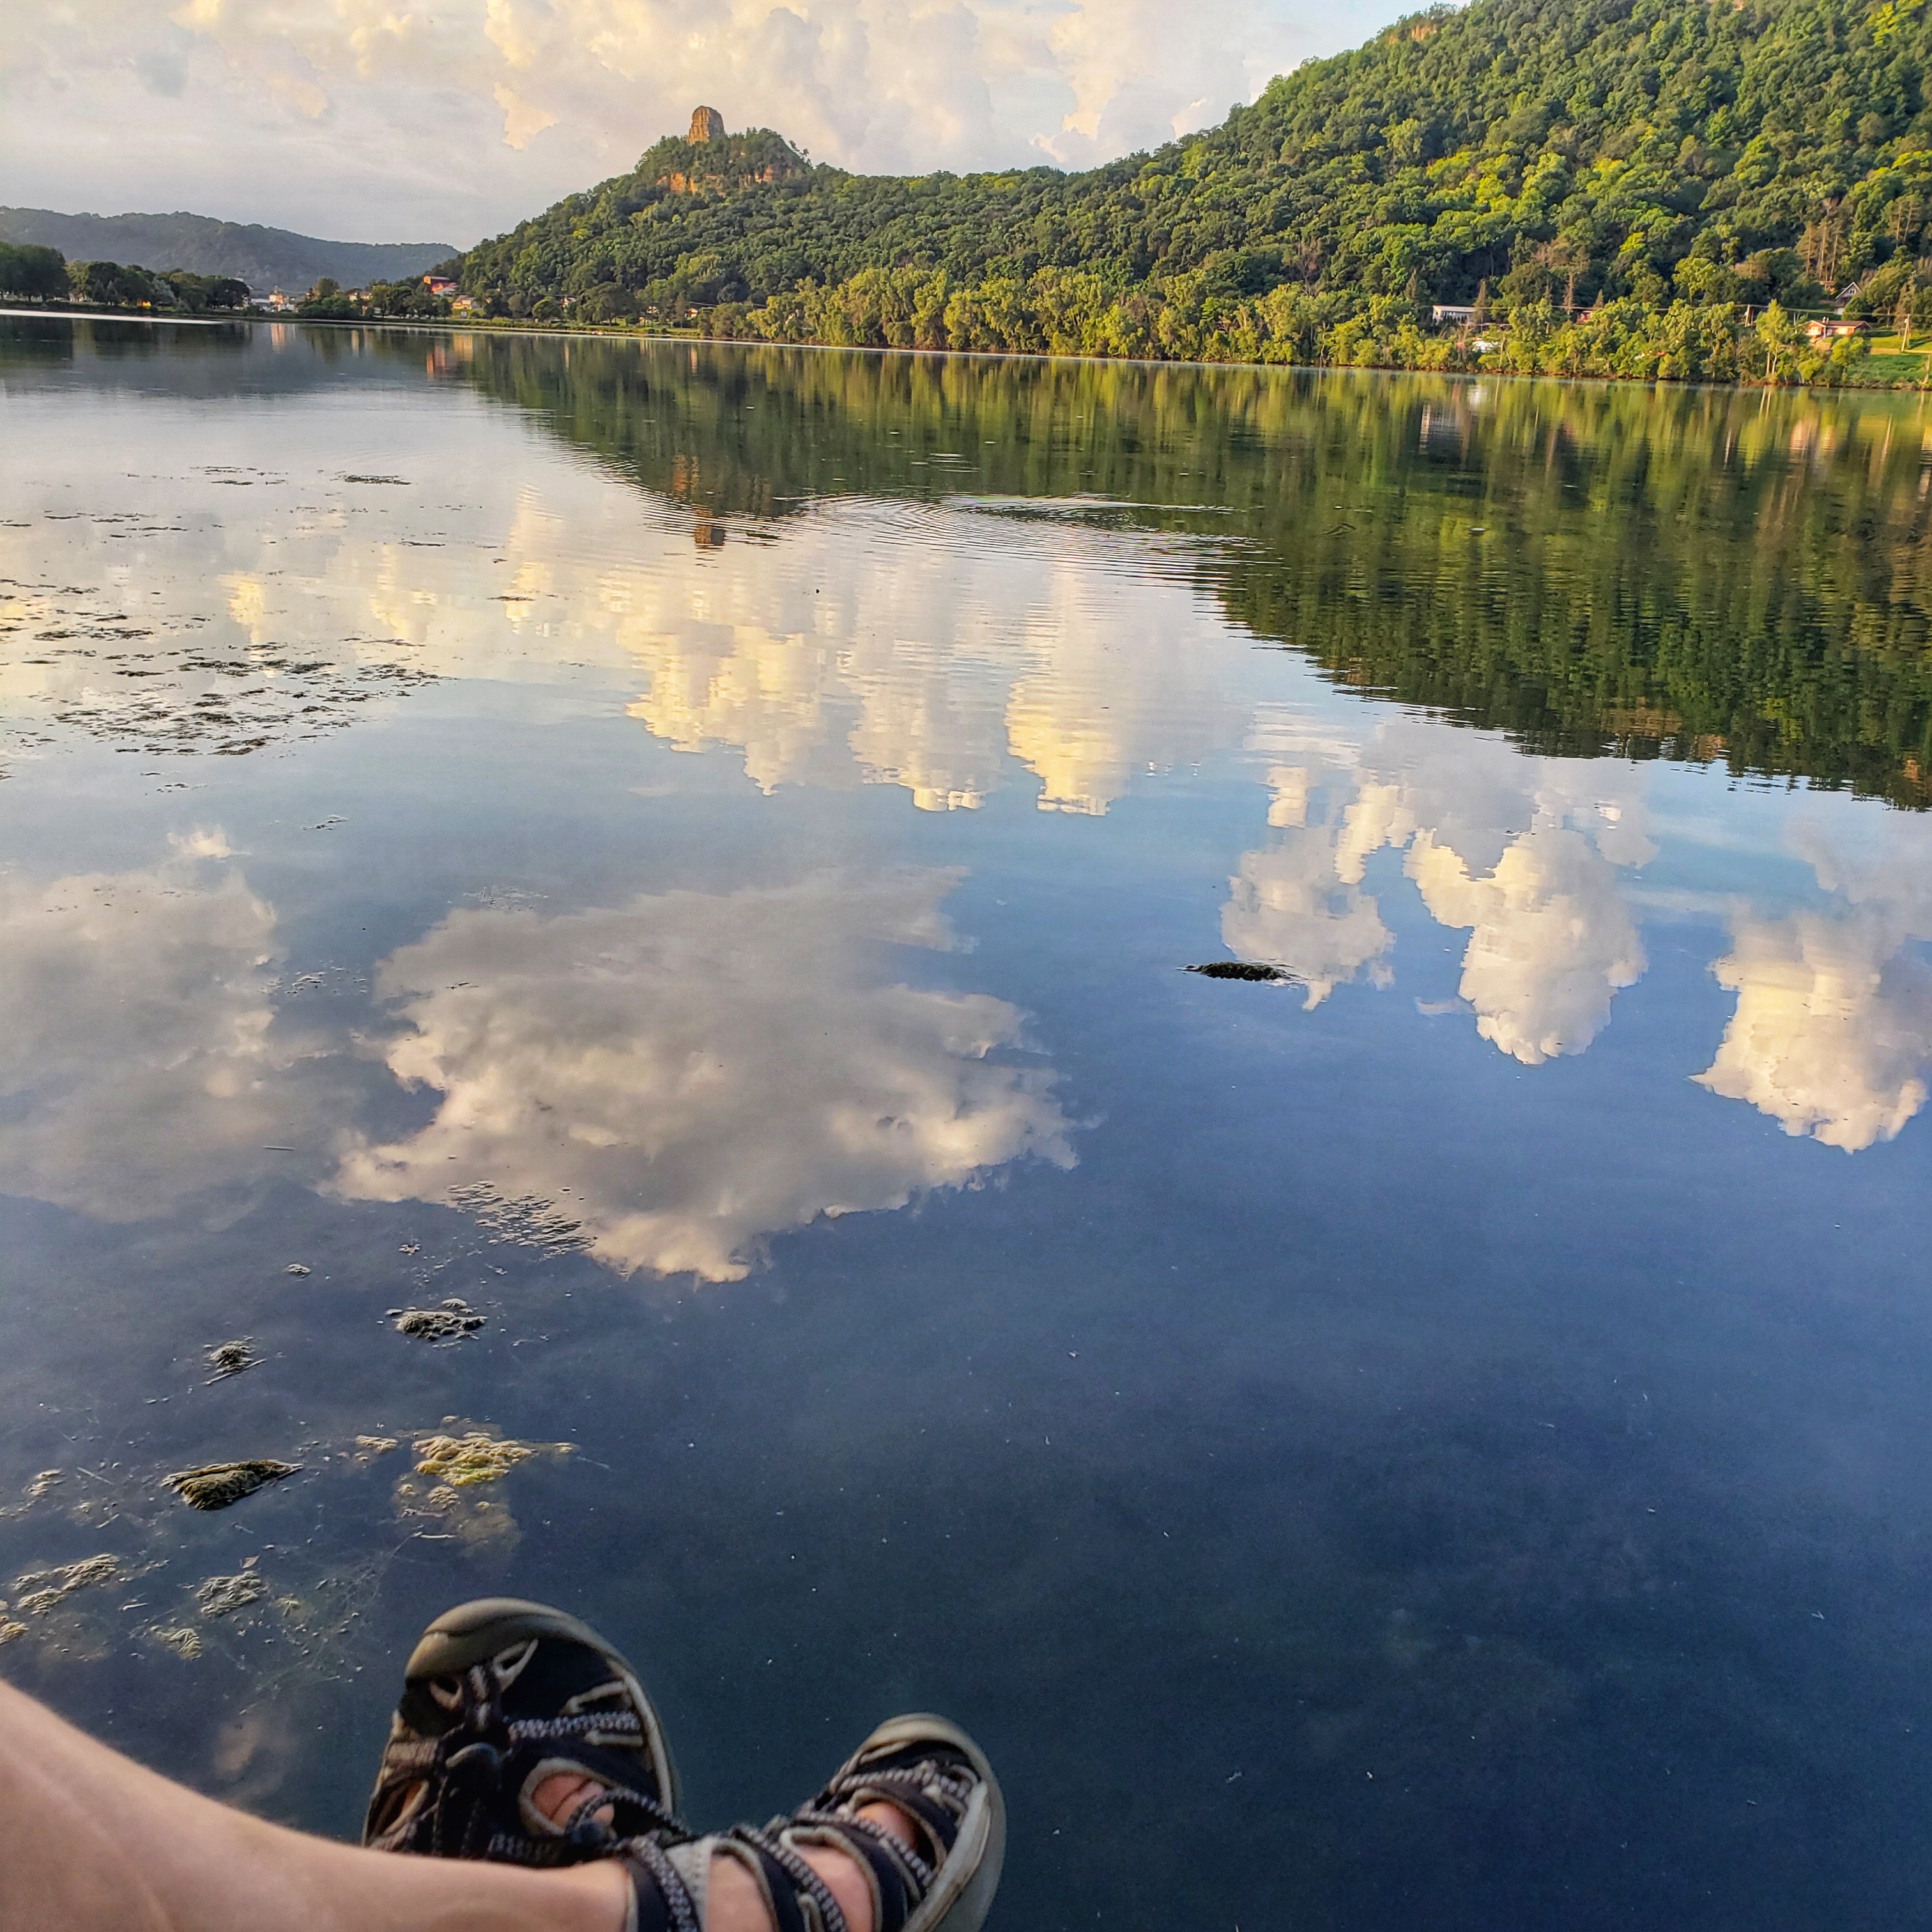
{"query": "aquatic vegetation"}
pixel 454 1319
pixel 529 1220
pixel 457 1466
pixel 223 1596
pixel 466 1460
pixel 231 1358
pixel 368 1447
pixel 42 1589
pixel 181 1639
pixel 215 1485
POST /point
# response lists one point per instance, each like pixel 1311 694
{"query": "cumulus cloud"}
pixel 937 648
pixel 931 664
pixel 1552 938
pixel 1287 905
pixel 139 1060
pixel 1526 852
pixel 342 116
pixel 689 1073
pixel 1832 1035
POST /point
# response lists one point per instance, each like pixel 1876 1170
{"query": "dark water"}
pixel 693 852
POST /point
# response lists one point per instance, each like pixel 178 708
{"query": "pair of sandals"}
pixel 501 1696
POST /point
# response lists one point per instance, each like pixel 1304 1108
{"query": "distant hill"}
pixel 264 258
pixel 1666 164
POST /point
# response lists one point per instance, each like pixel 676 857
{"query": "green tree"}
pixel 29 272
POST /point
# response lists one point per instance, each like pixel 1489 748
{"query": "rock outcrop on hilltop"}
pixel 707 125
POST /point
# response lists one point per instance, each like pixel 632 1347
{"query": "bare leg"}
pixel 91 1842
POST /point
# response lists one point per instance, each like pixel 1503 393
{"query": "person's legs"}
pixel 90 1839
pixel 91 1842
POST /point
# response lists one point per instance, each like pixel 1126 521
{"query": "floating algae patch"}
pixel 474 1521
pixel 214 1486
pixel 223 1596
pixel 41 1590
pixel 231 1358
pixel 463 1461
pixel 1246 969
pixel 182 1639
pixel 368 1447
pixel 457 1466
pixel 42 1486
pixel 451 1321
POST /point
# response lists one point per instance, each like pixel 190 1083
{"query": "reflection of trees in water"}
pixel 1693 574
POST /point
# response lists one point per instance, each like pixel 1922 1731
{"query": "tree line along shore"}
pixel 34 272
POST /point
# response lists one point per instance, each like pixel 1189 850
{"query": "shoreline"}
pixel 568 331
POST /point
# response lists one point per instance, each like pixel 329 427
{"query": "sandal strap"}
pixel 622 1724
pixel 584 1828
pixel 660 1900
pixel 899 1877
pixel 798 1899
pixel 925 1798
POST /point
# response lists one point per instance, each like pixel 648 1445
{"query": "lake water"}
pixel 692 852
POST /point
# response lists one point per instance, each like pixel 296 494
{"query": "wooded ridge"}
pixel 1605 186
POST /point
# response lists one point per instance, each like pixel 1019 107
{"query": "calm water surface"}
pixel 692 854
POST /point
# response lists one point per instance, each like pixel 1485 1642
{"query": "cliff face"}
pixel 709 159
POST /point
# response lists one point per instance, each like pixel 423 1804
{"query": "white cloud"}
pixel 688 1073
pixel 137 1062
pixel 1525 851
pixel 1552 938
pixel 940 649
pixel 205 841
pixel 1288 906
pixel 1832 1036
pixel 356 118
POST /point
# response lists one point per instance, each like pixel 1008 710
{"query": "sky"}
pixel 447 120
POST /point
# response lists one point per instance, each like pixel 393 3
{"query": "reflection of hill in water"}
pixel 1689 574
pixel 175 362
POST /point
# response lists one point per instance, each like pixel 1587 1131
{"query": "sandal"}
pixel 932 1771
pixel 498 1696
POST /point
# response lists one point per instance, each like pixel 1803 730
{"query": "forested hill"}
pixel 264 258
pixel 1542 155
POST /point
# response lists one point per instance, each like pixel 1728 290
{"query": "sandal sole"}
pixel 963 1896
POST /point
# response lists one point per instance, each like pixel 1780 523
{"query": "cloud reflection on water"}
pixel 1832 1034
pixel 140 1059
pixel 934 648
pixel 690 1073
pixel 1526 852
pixel 938 645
